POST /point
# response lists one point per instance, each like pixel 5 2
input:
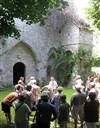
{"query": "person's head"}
pixel 20 82
pixel 78 89
pixel 21 78
pixel 92 84
pixel 63 98
pixel 28 87
pixel 32 82
pixel 92 96
pixel 78 77
pixel 52 78
pixel 22 98
pixel 59 89
pixel 44 97
pixel 91 79
pixel 32 78
pixel 19 88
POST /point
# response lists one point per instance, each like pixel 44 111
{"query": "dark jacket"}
pixel 46 112
pixel 91 111
pixel 63 112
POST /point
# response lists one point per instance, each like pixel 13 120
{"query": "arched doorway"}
pixel 18 71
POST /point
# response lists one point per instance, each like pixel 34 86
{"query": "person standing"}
pixel 36 90
pixel 91 111
pixel 29 96
pixel 46 112
pixel 53 83
pixel 76 103
pixel 63 115
pixel 51 87
pixel 56 101
pixel 22 112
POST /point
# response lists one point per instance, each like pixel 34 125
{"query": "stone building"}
pixel 29 55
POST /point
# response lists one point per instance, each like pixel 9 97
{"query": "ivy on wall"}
pixel 66 62
pixel 63 65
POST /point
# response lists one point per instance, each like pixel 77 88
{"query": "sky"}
pixel 81 5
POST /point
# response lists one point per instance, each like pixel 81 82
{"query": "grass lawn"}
pixel 67 91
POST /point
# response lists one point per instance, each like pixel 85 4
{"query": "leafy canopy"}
pixel 31 11
pixel 94 12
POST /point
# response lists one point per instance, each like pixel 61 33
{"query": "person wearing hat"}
pixel 46 112
pixel 77 101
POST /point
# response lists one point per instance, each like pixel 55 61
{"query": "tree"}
pixel 93 12
pixel 31 11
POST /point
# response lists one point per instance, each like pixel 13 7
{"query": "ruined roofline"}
pixel 80 23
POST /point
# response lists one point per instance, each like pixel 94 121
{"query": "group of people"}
pixel 27 98
pixel 85 103
pixel 50 104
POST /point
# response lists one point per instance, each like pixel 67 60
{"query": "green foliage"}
pixel 31 11
pixel 83 62
pixel 63 65
pixel 96 62
pixel 94 12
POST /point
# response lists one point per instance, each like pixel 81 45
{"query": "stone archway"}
pixel 22 61
pixel 18 71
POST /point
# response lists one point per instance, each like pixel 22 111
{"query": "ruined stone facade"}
pixel 28 56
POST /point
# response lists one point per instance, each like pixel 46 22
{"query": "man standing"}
pixel 22 112
pixel 77 101
pixel 46 112
pixel 57 102
pixel 53 83
pixel 91 108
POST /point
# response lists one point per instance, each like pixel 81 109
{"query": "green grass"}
pixel 68 92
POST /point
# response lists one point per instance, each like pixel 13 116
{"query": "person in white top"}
pixel 31 80
pixel 93 89
pixel 53 83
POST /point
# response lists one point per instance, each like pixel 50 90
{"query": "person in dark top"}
pixel 91 111
pixel 46 112
pixel 76 103
pixel 63 115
